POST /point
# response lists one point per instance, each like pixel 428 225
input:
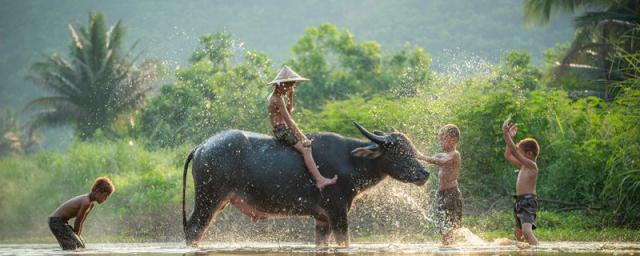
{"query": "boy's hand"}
pixel 512 130
pixel 505 126
pixel 509 128
pixel 306 143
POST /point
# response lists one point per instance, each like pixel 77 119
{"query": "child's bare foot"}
pixel 323 182
pixel 523 245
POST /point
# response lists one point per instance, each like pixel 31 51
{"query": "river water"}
pixel 545 248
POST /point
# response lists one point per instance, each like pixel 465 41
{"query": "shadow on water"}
pixel 553 248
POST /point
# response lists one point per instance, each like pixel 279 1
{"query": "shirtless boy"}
pixel 79 208
pixel 523 156
pixel 449 197
pixel 285 129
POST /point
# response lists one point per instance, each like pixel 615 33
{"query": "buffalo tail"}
pixel 184 189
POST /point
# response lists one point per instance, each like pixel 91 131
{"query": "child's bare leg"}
pixel 519 236
pixel 527 231
pixel 447 238
pixel 321 181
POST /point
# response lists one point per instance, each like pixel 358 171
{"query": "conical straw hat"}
pixel 287 75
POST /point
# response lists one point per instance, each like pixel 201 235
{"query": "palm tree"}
pixel 97 84
pixel 603 29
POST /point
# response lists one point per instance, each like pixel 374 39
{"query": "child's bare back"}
pixel 71 208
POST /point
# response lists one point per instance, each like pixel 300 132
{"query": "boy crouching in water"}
pixel 78 207
pixel 523 156
pixel 449 198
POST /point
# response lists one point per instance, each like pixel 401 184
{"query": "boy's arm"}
pixel 80 217
pixel 437 159
pixel 290 100
pixel 511 147
pixel 288 119
pixel 513 129
pixel 511 158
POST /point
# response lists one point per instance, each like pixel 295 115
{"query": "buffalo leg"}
pixel 340 227
pixel 323 230
pixel 206 208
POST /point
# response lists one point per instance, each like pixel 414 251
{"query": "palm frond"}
pixel 598 19
pixel 51 118
pixel 538 12
pixel 50 102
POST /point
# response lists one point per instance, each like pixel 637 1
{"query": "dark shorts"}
pixel 449 209
pixel 284 135
pixel 525 209
pixel 63 232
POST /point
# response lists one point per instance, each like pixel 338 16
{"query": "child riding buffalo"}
pixel 285 129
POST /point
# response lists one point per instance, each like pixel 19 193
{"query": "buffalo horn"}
pixel 373 137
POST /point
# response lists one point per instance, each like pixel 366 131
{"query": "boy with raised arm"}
pixel 449 198
pixel 79 208
pixel 523 156
pixel 285 129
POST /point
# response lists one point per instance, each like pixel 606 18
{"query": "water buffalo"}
pixel 266 179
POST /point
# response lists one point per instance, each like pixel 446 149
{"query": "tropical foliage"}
pixel 97 83
pixel 601 27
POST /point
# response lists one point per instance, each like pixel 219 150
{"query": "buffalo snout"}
pixel 421 178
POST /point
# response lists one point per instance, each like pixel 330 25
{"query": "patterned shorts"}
pixel 284 135
pixel 63 232
pixel 450 209
pixel 524 209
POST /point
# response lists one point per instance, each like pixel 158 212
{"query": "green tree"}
pixel 340 67
pixel 224 88
pixel 603 25
pixel 516 68
pixel 98 83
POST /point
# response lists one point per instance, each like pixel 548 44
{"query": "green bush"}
pixel 147 183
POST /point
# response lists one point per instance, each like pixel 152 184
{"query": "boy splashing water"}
pixel 79 208
pixel 285 129
pixel 449 198
pixel 523 156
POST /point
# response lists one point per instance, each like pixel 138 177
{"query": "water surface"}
pixel 382 249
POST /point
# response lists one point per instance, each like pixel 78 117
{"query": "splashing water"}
pixel 465 236
pixel 561 248
pixel 458 64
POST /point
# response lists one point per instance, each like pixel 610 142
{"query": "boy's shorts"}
pixel 450 209
pixel 284 135
pixel 525 209
pixel 63 232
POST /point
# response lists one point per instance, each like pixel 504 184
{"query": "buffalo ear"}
pixel 370 152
